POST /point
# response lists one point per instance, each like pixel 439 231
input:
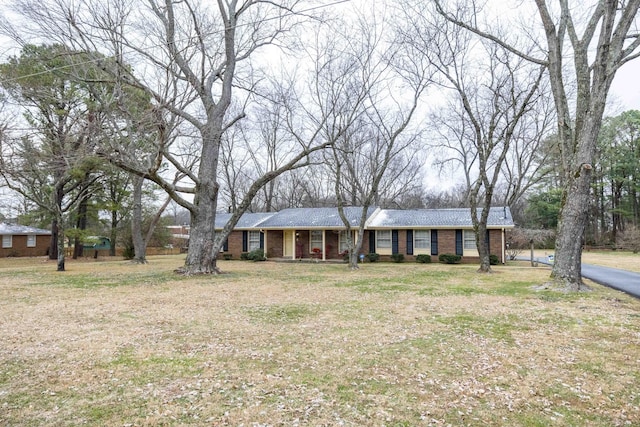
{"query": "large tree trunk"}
pixel 608 40
pixel 53 242
pixel 354 249
pixel 483 248
pixel 201 256
pixel 60 242
pixel 139 242
pixel 113 233
pixel 572 221
pixel 81 224
pixel 612 25
pixel 202 253
pixel 57 230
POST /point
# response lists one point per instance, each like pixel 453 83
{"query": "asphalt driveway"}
pixel 622 280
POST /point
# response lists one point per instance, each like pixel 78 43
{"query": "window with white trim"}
pixel 316 240
pixel 253 240
pixel 31 241
pixel 343 246
pixel 469 239
pixel 422 241
pixel 383 239
pixel 7 241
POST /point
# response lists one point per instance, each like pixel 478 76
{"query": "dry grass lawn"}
pixel 615 259
pixel 115 344
pixel 622 260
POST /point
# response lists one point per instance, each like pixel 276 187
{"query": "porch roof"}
pixel 499 217
pixel 16 230
pixel 314 218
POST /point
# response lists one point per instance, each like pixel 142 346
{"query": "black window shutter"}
pixel 434 242
pixel 261 240
pixel 225 246
pixel 459 248
pixel 245 241
pixel 409 242
pixel 487 242
pixel 372 242
pixel 394 241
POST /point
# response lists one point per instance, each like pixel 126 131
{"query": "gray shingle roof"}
pixel 441 218
pixel 248 220
pixel 328 218
pixel 296 218
pixel 15 229
pixel 310 218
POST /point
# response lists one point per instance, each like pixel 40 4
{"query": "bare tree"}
pixel 203 54
pixel 235 172
pixel 388 82
pixel 526 164
pixel 599 37
pixel 491 94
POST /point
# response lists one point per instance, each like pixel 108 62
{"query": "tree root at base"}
pixel 564 286
pixel 190 271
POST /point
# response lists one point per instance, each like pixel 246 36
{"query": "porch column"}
pixel 324 247
pixel 293 245
pixel 503 237
pixel 265 243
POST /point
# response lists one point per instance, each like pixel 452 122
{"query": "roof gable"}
pixel 315 218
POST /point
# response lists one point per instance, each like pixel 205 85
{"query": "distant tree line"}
pixel 135 112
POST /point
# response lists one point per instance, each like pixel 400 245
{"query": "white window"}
pixel 469 239
pixel 383 239
pixel 343 246
pixel 254 240
pixel 7 241
pixel 422 241
pixel 31 241
pixel 316 241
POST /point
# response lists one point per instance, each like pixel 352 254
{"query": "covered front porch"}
pixel 313 244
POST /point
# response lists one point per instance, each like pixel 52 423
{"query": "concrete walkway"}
pixel 622 280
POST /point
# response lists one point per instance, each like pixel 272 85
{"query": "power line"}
pixel 63 67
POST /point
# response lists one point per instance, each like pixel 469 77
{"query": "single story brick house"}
pixel 319 233
pixel 20 240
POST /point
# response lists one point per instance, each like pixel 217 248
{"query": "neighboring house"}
pixel 320 233
pixel 179 236
pixel 20 240
pixel 93 245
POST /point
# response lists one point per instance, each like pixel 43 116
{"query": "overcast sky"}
pixel 626 86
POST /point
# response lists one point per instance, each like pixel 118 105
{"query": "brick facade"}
pixel 294 233
pixel 274 244
pixel 19 247
pixel 447 245
pixel 274 241
pixel 234 243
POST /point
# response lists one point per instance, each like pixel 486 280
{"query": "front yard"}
pixel 110 343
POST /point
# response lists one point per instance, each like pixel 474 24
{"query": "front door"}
pixel 288 243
